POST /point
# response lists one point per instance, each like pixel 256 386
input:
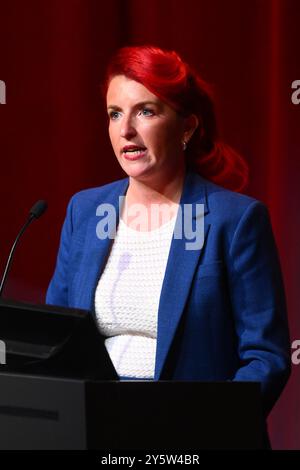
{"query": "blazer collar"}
pixel 194 190
pixel 96 250
pixel 179 274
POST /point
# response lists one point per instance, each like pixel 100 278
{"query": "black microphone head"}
pixel 38 209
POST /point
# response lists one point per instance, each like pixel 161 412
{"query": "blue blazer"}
pixel 222 313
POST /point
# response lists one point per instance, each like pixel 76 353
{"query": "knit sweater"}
pixel 127 297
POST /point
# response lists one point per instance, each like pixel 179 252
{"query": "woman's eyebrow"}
pixel 137 105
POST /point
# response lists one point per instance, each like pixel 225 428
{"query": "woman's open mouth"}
pixel 133 152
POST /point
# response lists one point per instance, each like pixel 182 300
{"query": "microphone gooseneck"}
pixel 35 212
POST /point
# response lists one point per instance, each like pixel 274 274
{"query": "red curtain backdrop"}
pixel 53 128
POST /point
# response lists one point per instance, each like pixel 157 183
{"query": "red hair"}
pixel 175 83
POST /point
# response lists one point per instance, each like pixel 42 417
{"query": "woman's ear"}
pixel 191 124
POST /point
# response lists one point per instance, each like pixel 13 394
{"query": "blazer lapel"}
pixel 180 270
pixel 96 251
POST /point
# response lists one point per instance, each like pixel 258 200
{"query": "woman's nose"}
pixel 128 129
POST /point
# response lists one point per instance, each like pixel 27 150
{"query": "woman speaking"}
pixel 170 307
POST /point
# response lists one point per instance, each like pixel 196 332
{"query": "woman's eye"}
pixel 147 112
pixel 114 115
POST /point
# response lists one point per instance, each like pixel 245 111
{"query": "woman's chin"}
pixel 137 171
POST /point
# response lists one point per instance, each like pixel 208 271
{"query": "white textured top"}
pixel 127 297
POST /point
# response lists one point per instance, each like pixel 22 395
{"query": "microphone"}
pixel 35 212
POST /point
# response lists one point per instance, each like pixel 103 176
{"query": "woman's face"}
pixel 146 134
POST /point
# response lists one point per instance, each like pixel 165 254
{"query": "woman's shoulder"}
pixel 99 193
pixel 226 206
pixel 237 215
pixel 222 198
pixel 84 203
pixel 87 200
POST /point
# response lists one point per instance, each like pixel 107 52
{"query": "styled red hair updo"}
pixel 175 83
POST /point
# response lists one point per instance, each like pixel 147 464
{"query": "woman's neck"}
pixel 162 190
pixel 148 206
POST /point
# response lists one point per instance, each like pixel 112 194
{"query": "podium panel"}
pixel 42 412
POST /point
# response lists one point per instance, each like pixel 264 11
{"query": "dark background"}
pixel 53 128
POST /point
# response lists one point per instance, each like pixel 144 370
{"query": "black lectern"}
pixel 46 402
pixel 48 340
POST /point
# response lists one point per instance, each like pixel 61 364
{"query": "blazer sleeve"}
pixel 259 305
pixel 57 293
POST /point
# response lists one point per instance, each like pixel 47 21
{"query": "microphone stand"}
pixel 36 211
pixel 12 251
